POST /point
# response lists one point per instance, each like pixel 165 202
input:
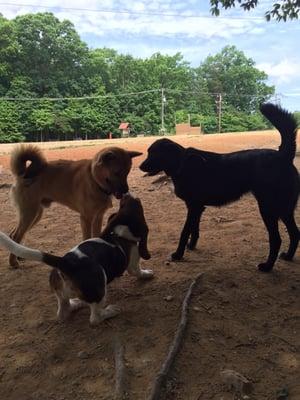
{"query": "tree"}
pixel 41 57
pixel 297 116
pixel 286 9
pixel 43 118
pixel 10 127
pixel 234 76
pixel 51 54
pixel 8 52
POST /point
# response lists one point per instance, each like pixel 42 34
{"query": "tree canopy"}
pixel 52 86
pixel 283 10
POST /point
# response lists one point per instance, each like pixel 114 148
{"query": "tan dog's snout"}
pixel 111 168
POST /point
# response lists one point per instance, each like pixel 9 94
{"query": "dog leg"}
pixel 86 227
pixel 36 220
pixel 76 304
pixel 99 313
pixel 195 230
pixel 27 218
pixel 134 266
pixel 294 234
pixel 97 224
pixel 191 220
pixel 63 306
pixel 271 223
pixel 60 289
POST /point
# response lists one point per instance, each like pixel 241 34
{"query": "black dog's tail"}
pixel 30 254
pixel 286 124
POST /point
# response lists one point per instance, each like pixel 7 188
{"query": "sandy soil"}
pixel 239 318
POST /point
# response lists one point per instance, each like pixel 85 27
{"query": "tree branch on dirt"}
pixel 120 370
pixel 5 185
pixel 161 377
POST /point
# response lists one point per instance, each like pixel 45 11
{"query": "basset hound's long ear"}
pixel 140 229
pixel 113 220
pixel 111 216
pixel 133 154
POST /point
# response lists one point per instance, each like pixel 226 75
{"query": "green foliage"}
pixel 42 57
pixel 285 10
pixel 42 118
pixel 297 116
pixel 233 75
pixel 10 128
pixel 209 123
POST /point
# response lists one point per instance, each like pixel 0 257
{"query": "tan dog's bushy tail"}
pixel 19 157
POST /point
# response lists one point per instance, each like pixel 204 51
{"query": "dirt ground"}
pixel 239 318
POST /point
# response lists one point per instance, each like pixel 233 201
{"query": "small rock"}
pixel 235 380
pixel 83 355
pixel 168 298
pixel 282 394
pixel 196 308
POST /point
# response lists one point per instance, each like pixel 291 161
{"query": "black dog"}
pixel 204 178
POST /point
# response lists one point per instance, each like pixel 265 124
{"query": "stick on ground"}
pixel 120 370
pixel 175 346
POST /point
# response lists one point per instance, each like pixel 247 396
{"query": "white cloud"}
pixel 100 24
pixel 282 72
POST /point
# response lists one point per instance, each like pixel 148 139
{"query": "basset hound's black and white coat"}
pixel 80 277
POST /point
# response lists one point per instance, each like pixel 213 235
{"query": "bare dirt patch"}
pixel 239 318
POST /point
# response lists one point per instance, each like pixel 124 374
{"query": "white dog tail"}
pixel 31 254
pixel 20 250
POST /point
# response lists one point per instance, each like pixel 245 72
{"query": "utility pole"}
pixel 219 109
pixel 163 101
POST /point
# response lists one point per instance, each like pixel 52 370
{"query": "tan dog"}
pixel 84 186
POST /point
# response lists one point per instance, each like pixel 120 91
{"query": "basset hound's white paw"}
pixel 146 274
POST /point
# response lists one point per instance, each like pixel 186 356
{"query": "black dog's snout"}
pixel 124 188
pixel 143 166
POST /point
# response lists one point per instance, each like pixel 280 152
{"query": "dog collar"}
pixel 116 236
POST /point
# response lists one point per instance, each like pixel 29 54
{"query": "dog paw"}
pixel 176 256
pixel 191 246
pixel 265 267
pixel 76 304
pixel 146 274
pixel 110 311
pixel 63 314
pixel 16 265
pixel 13 262
pixel 285 256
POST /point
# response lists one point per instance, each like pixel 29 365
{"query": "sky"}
pixel 141 28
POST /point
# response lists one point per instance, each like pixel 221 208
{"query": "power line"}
pixel 77 98
pixel 164 91
pixel 132 12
